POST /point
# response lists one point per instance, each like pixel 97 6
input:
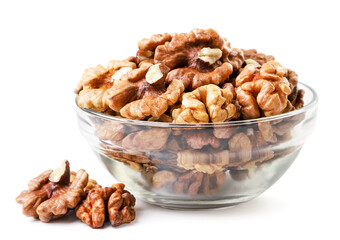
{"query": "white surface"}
pixel 45 46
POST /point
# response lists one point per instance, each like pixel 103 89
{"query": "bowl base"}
pixel 176 204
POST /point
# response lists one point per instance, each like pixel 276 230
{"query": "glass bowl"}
pixel 199 165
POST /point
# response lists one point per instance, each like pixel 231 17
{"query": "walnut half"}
pixel 52 194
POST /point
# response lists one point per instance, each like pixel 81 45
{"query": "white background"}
pixel 46 45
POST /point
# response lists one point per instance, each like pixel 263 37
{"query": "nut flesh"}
pixel 154 74
pixel 118 75
pixel 209 55
pixel 61 174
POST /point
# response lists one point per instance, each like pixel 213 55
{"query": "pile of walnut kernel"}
pixel 53 194
pixel 194 77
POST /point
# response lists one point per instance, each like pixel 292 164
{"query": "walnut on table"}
pixel 113 201
pixel 52 194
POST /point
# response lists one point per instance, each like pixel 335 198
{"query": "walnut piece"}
pixel 209 55
pixel 266 88
pixel 206 102
pixel 95 82
pixel 156 73
pixel 240 148
pixel 234 56
pixel 48 200
pixel 202 161
pixel 198 139
pixel 147 46
pixel 195 56
pixel 258 57
pixel 183 48
pixel 195 77
pixel 121 206
pixel 93 210
pixel 113 201
pixel 147 140
pixel 198 183
pixel 130 87
pixel 153 106
pixel 222 132
pixel 110 131
pixel 163 178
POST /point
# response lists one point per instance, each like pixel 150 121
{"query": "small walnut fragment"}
pixel 208 102
pixel 46 199
pixel 121 206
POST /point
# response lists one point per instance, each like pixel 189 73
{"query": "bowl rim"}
pixel 313 103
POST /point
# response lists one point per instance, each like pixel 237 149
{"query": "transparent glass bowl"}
pixel 199 165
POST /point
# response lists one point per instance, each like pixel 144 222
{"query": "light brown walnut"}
pixel 95 82
pixel 153 106
pixel 146 47
pixel 208 102
pixel 268 85
pixel 52 194
pixel 130 87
